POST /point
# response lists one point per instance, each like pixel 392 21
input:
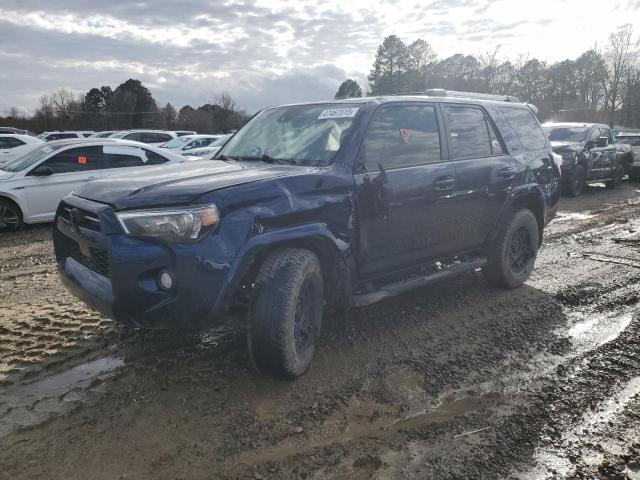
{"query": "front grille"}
pixel 84 219
pixel 98 261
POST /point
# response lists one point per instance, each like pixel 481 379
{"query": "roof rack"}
pixel 441 92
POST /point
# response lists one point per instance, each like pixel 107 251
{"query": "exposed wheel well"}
pixel 335 272
pixel 12 202
pixel 532 202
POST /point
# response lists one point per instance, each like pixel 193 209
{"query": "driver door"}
pixel 68 171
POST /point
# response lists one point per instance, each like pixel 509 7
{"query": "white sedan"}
pixel 189 142
pixel 32 185
pixel 12 146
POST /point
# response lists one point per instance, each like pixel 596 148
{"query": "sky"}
pixel 267 52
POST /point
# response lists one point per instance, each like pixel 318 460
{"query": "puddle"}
pixel 30 404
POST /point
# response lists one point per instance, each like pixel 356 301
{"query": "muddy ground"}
pixel 460 380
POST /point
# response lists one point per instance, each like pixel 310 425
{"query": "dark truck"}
pixel 589 155
pixel 315 206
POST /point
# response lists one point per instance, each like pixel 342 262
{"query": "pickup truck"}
pixel 589 155
pixel 312 207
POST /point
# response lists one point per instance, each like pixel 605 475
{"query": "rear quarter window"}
pixel 526 128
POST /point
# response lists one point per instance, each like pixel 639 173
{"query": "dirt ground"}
pixel 460 380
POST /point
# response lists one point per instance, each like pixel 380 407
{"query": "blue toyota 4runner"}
pixel 317 205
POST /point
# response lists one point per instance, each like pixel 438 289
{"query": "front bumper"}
pixel 116 274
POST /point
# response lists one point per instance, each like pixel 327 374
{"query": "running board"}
pixel 401 287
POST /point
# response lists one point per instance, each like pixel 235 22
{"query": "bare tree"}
pixel 618 56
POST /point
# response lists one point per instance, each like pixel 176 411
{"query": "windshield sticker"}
pixel 404 133
pixel 82 160
pixel 338 113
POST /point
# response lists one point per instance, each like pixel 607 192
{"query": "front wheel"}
pixel 10 217
pixel 512 256
pixel 285 313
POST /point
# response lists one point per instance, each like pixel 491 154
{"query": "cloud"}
pixel 264 51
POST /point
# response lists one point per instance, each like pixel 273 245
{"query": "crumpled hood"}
pixel 178 184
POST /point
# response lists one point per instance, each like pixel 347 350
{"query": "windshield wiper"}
pixel 227 157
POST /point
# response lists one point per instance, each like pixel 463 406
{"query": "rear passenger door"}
pixel 402 182
pixel 484 173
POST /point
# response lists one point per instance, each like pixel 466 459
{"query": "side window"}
pixel 496 146
pixel 401 136
pixel 74 160
pixel 154 159
pixel 605 132
pixel 61 136
pixel 135 136
pixel 526 127
pixel 595 134
pixel 10 142
pixel 468 132
pixel 122 156
pixel 152 137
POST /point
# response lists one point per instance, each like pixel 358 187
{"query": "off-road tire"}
pixel 10 217
pixel 285 312
pixel 512 256
pixel 617 174
pixel 576 184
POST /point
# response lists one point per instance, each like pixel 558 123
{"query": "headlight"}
pixel 172 225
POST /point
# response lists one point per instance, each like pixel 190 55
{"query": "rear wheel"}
pixel 286 312
pixel 512 256
pixel 10 217
pixel 576 183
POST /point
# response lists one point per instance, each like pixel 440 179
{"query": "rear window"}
pixel 10 142
pixel 526 127
pixel 122 156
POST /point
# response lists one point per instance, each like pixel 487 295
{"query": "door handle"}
pixel 444 183
pixel 507 172
pixel 91 178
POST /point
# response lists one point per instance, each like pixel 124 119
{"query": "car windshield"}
pixel 633 141
pixel 566 134
pixel 298 134
pixel 26 160
pixel 174 143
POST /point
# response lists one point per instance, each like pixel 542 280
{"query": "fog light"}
pixel 165 280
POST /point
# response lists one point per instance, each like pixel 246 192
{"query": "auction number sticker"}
pixel 338 113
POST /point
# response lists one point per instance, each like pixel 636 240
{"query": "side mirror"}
pixel 42 171
pixel 602 142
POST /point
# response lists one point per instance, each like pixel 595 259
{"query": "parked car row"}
pixel 590 155
pixel 307 207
